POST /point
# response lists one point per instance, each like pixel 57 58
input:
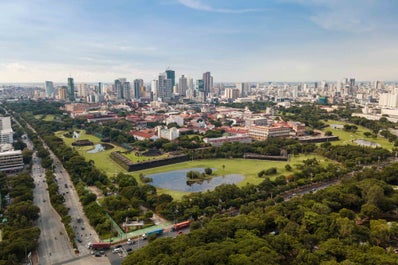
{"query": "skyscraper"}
pixel 122 89
pixel 182 85
pixel 71 89
pixel 100 88
pixel 164 88
pixel 170 74
pixel 207 85
pixel 138 84
pixel 49 86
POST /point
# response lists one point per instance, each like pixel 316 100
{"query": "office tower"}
pixel 63 93
pixel 190 83
pixel 122 89
pixel 182 85
pixel 71 89
pixel 231 93
pixel 100 88
pixel 154 89
pixel 82 90
pixel 6 132
pixel 207 85
pixel 49 87
pixel 172 76
pixel 138 84
pixel 165 88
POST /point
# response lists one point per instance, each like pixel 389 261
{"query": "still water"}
pixel 177 180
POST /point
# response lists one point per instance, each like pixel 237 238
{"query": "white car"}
pixel 116 250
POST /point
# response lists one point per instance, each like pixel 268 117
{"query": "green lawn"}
pixel 247 167
pixel 48 117
pixel 133 157
pixel 349 137
pixel 101 159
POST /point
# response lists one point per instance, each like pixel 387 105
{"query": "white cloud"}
pixel 198 5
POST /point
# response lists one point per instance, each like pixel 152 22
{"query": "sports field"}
pixel 350 137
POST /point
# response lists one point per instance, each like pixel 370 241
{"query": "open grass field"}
pixel 101 159
pixel 247 167
pixel 133 157
pixel 48 117
pixel 349 137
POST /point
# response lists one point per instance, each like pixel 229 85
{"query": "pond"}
pixel 366 143
pixel 177 180
pixel 97 148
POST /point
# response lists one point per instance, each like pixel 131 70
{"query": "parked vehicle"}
pixel 156 232
pixel 180 225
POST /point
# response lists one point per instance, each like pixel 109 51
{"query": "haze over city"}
pixel 279 40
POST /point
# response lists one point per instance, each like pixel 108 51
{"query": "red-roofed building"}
pixel 144 135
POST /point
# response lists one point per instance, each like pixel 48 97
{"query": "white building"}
pixel 169 134
pixel 175 118
pixel 11 161
pixel 6 132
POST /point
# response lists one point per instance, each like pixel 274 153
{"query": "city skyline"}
pixel 237 41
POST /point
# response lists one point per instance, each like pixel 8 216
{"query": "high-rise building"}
pixel 71 89
pixel 164 88
pixel 122 89
pixel 138 84
pixel 49 87
pixel 170 74
pixel 207 84
pixel 100 88
pixel 82 90
pixel 182 86
pixel 63 93
pixel 6 132
pixel 154 89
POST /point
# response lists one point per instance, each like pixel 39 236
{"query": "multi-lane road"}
pixel 54 244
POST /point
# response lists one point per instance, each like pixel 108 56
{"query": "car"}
pixel 98 255
pixel 129 249
pixel 119 246
pixel 116 250
pixel 101 252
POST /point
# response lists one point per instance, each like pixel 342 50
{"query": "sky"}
pixel 236 40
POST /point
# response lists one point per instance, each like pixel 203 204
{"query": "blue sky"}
pixel 237 40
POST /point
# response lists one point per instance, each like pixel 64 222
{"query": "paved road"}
pixel 54 244
pixel 52 237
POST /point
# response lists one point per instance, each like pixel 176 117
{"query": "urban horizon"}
pixel 286 40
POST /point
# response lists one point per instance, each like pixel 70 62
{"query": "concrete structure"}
pixel 6 132
pixel 169 134
pixel 175 118
pixel 298 127
pixel 228 139
pixel 11 161
pixel 256 121
pixel 262 133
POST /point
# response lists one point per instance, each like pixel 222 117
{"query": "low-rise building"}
pixel 169 134
pixel 11 161
pixel 262 133
pixel 228 139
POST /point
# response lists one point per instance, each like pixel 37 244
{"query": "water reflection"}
pixel 177 180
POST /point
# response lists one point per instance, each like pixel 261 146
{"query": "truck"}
pixel 156 232
pixel 180 225
pixel 99 245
